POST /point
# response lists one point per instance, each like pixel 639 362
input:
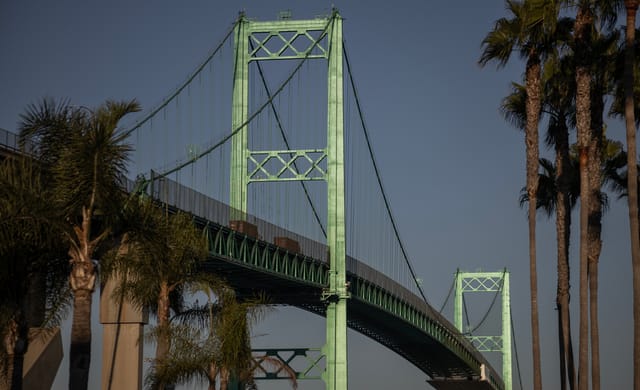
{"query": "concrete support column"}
pixel 122 341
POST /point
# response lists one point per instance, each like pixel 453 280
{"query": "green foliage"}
pixel 189 357
pixel 33 263
pixel 85 158
pixel 546 198
pixel 209 339
pixel 84 152
pixel 30 240
pixel 616 109
pixel 532 29
pixel 160 247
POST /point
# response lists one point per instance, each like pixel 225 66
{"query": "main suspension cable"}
pixel 377 172
pixel 252 116
pixel 446 300
pixel 184 85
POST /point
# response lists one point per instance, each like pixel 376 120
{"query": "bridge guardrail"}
pixel 10 141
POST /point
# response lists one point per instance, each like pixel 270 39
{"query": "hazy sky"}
pixel 452 167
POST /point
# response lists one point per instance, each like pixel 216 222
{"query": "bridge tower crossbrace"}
pixel 324 38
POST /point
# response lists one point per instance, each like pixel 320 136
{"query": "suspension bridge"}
pixel 265 143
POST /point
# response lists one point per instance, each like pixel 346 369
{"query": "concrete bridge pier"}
pixel 122 341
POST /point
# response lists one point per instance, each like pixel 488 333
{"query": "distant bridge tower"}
pixel 497 282
pixel 251 40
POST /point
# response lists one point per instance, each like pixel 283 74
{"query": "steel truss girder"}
pixel 305 363
pixel 288 167
pixel 288 34
pixel 481 282
pixel 267 258
pixel 256 254
pixel 380 297
pixel 487 343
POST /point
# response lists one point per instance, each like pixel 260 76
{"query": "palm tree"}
pixel 530 30
pixel 587 12
pixel 162 261
pixel 555 190
pixel 32 288
pixel 223 351
pixel 584 19
pixel 631 7
pixel 87 158
pixel 558 103
pixel 603 49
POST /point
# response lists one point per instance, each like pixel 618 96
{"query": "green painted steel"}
pixel 288 169
pixel 497 282
pixel 320 38
pixel 507 375
pixel 253 254
pixel 239 116
pixel 337 294
pixel 264 257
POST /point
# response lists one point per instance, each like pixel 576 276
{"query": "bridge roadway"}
pixel 295 272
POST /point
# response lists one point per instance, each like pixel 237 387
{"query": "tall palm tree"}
pixel 87 158
pixel 584 20
pixel 559 90
pixel 631 7
pixel 589 145
pixel 603 49
pixel 555 190
pixel 530 31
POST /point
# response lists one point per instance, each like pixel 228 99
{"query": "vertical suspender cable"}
pixel 375 167
pixel 287 145
pixel 515 350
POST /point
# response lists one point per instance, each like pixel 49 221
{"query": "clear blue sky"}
pixel 453 168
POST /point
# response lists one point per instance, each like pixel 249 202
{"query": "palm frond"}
pixel 513 106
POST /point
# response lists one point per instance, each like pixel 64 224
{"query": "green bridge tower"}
pixel 324 41
pixel 497 282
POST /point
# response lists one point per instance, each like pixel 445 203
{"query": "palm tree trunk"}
pixel 12 377
pixel 80 351
pixel 532 152
pixel 82 280
pixel 224 378
pixel 593 321
pixel 583 348
pixel 212 373
pixel 563 229
pixel 561 347
pixel 632 180
pixel 164 338
pixel 583 123
pixel 18 358
pixel 595 223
